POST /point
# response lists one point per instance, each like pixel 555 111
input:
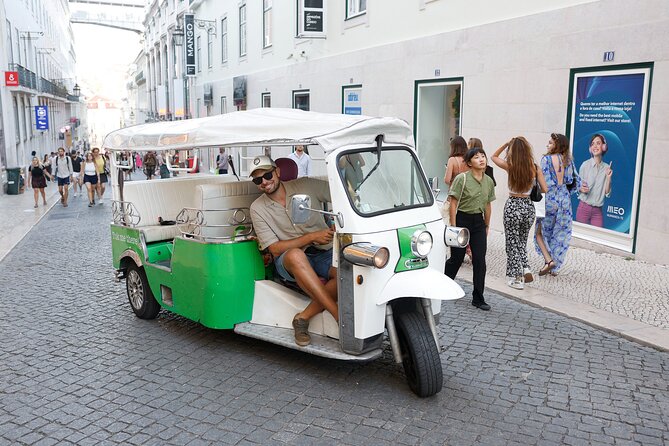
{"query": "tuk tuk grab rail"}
pixel 125 213
pixel 198 224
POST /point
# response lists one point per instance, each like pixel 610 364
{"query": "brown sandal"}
pixel 548 267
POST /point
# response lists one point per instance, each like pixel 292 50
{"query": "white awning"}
pixel 260 127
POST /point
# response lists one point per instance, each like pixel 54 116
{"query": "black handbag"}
pixel 572 184
pixel 535 193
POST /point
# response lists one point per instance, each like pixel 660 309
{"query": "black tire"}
pixel 140 296
pixel 420 357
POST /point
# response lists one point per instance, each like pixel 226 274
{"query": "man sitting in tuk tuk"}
pixel 302 253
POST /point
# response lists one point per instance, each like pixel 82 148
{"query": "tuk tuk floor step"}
pixel 320 345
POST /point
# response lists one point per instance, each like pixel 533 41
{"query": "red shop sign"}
pixel 12 78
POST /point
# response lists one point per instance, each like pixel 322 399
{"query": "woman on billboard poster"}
pixel 595 183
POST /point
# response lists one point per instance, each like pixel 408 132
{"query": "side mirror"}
pixel 300 205
pixel 434 185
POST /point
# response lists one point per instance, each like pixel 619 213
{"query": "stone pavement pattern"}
pixel 631 288
pixel 77 367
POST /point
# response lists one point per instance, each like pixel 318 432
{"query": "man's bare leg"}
pixel 297 264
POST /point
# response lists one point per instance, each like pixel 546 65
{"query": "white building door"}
pixel 437 120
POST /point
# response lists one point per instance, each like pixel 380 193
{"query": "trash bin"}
pixel 13 180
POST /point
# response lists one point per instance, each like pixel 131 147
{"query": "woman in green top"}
pixel 471 194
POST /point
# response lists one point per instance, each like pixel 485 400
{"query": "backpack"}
pixel 69 164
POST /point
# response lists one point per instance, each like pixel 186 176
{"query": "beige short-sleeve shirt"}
pixel 272 222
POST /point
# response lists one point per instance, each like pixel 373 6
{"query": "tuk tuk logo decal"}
pixel 408 261
pixel 125 238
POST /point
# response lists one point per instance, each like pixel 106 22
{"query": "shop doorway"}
pixel 437 111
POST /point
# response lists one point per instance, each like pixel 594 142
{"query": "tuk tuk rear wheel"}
pixel 420 357
pixel 140 296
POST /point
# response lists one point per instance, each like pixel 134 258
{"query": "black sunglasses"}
pixel 266 176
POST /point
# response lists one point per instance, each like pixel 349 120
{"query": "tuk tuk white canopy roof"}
pixel 262 126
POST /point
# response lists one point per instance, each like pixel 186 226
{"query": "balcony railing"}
pixel 26 77
pixel 49 87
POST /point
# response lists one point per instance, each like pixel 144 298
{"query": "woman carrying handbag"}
pixel 519 211
pixel 471 195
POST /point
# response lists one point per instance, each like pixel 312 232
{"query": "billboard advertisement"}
pixel 608 121
pixel 42 117
pixel 352 100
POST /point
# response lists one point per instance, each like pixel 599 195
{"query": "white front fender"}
pixel 427 282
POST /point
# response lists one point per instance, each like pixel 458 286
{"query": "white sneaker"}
pixel 516 283
pixel 527 275
pixel 76 195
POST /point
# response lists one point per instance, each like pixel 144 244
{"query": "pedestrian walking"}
pixel 46 165
pixel 149 162
pixel 471 195
pixel 102 170
pixel 456 163
pixel 552 233
pixel 475 143
pixel 91 177
pixel 222 161
pixel 519 211
pixel 63 173
pixel 77 183
pixel 303 161
pixel 163 159
pixel 37 176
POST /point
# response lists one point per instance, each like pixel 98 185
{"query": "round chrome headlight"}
pixel 456 237
pixel 421 243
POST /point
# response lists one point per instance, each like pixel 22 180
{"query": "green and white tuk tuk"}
pixel 390 242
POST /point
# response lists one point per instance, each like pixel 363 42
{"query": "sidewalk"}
pixel 18 215
pixel 629 298
pixel 626 297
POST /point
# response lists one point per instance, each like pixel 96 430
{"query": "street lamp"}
pixel 178 41
pixel 178 36
pixel 76 90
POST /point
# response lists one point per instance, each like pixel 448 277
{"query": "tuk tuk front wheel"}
pixel 420 357
pixel 140 296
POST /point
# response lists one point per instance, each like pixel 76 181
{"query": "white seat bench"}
pixel 225 206
pixel 165 198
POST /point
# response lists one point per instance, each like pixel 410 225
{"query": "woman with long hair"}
pixel 46 164
pixel 552 233
pixel 37 179
pixel 91 177
pixel 519 211
pixel 456 163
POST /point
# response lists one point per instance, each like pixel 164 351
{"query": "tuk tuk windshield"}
pixel 377 185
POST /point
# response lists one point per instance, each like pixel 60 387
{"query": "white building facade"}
pixel 476 69
pixel 38 60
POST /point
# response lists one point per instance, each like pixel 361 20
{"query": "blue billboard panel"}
pixel 42 117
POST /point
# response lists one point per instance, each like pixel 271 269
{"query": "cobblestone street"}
pixel 77 367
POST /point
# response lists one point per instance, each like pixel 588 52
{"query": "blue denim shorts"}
pixel 63 181
pixel 320 261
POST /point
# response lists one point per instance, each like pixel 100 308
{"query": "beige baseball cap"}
pixel 262 163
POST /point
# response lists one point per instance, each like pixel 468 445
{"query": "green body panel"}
pixel 408 261
pixel 123 239
pixel 211 283
pixel 160 251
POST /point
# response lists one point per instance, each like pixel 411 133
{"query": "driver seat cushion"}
pixel 288 169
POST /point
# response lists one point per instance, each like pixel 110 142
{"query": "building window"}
pixel 17 125
pixel 210 48
pixel 242 30
pixel 224 105
pixel 224 40
pixel 266 23
pixel 266 100
pixel 198 54
pixel 199 107
pixel 311 19
pixel 301 99
pixel 355 8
